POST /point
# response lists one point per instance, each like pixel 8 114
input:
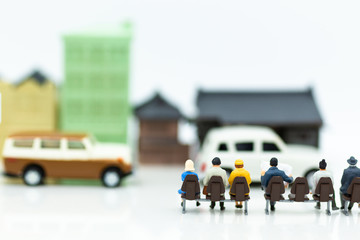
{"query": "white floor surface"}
pixel 147 206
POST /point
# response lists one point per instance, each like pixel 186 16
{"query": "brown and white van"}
pixel 34 156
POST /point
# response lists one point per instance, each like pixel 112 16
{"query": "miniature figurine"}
pixel 189 169
pixel 351 172
pixel 216 170
pixel 323 173
pixel 274 171
pixel 239 171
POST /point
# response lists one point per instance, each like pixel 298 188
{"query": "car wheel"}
pixel 111 177
pixel 310 178
pixel 33 176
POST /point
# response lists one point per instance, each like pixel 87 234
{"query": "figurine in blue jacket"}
pixel 189 169
pixel 351 172
pixel 271 172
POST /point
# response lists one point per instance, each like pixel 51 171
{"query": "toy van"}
pixel 256 145
pixel 34 156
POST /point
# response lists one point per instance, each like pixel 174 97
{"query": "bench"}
pixel 215 191
pixel 352 194
pixel 300 188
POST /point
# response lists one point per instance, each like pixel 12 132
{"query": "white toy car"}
pixel 255 145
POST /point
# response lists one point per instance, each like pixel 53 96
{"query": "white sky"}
pixel 181 45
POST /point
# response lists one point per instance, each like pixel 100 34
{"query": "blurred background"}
pixel 177 47
pixel 138 72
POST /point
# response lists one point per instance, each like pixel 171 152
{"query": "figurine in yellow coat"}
pixel 239 171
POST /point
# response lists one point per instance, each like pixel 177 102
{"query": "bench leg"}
pixel 328 208
pixel 346 210
pixel 246 207
pixel 267 207
pixel 184 206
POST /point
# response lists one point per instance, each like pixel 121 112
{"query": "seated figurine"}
pixel 273 171
pixel 216 170
pixel 189 170
pixel 349 174
pixel 319 174
pixel 239 171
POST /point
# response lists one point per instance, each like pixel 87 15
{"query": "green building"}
pixel 95 92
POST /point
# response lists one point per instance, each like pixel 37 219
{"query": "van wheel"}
pixel 111 177
pixel 33 176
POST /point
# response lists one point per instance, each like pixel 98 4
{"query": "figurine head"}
pixel 322 164
pixel 189 165
pixel 273 162
pixel 352 161
pixel 239 163
pixel 216 161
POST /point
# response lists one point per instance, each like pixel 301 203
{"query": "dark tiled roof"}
pixel 157 108
pixel 36 76
pixel 259 107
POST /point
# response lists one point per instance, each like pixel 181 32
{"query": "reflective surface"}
pixel 147 206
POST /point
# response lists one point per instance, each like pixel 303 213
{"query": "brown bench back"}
pixel 191 187
pixel 354 190
pixel 275 188
pixel 239 188
pixel 215 189
pixel 324 188
pixel 300 188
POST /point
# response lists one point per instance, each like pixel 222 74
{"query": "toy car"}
pixel 255 145
pixel 34 156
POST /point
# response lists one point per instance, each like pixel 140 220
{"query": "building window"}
pixel 75 108
pixel 244 146
pixel 97 108
pixel 97 55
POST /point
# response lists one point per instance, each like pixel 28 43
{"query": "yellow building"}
pixel 29 105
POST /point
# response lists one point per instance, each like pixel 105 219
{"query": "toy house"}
pixel 292 114
pixel 95 96
pixel 158 137
pixel 28 105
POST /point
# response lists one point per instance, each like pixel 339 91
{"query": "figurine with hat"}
pixel 239 171
pixel 349 173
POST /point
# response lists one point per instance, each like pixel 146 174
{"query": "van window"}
pixel 50 143
pixel 24 143
pixel 270 147
pixel 75 145
pixel 222 147
pixel 244 146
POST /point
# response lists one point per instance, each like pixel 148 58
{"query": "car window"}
pixel 244 146
pixel 222 147
pixel 73 144
pixel 270 147
pixel 50 143
pixel 24 143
